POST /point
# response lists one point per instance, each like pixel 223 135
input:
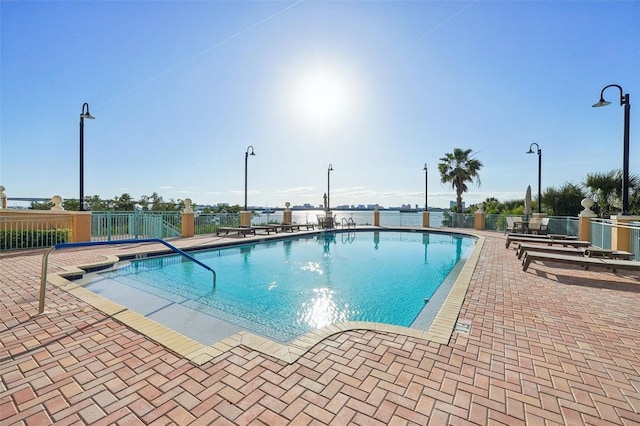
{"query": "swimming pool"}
pixel 284 288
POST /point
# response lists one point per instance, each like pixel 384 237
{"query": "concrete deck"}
pixel 553 345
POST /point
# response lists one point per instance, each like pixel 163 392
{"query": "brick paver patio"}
pixel 553 345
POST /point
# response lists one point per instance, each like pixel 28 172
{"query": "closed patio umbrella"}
pixel 527 202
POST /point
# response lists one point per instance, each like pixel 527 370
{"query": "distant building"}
pixel 408 208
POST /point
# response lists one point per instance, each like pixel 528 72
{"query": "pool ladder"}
pixel 45 259
pixel 349 223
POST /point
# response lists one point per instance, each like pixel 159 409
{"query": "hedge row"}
pixel 14 240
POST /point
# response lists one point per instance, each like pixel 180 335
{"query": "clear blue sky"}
pixel 180 89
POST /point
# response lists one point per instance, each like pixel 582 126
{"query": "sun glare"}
pixel 322 97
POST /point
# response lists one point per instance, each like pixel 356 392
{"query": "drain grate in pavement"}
pixel 463 326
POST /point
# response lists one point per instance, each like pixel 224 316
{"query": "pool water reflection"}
pixel 283 288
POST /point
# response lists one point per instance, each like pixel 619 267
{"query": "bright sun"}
pixel 322 97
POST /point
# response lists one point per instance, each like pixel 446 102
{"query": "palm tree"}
pixel 563 201
pixel 459 168
pixel 606 191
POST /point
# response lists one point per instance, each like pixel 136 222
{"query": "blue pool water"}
pixel 284 288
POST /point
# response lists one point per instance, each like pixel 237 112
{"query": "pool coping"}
pixel 440 330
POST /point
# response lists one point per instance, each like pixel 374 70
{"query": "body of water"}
pixel 360 217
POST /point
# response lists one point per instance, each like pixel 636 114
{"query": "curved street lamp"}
pixel 246 157
pixel 624 101
pixel 539 152
pixel 426 178
pixel 83 114
pixel 329 170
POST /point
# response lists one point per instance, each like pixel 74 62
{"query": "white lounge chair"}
pixel 538 225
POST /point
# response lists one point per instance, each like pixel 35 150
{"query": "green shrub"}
pixel 14 240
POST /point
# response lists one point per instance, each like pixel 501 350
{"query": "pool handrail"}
pixel 348 222
pixel 45 259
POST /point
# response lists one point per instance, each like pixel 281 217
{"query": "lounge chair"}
pixel 509 227
pixel 607 253
pixel 538 226
pixel 616 264
pixel 520 226
pixel 586 262
pixel 583 261
pixel 547 241
pixel 525 248
pixel 266 228
pixel 545 237
pixel 243 231
pixel 289 227
pixel 296 226
pixel 514 225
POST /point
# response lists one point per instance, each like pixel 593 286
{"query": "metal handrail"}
pixel 349 222
pixel 45 259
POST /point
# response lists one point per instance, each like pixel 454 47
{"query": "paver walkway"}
pixel 554 345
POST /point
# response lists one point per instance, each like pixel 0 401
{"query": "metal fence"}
pixel 600 231
pixel 437 219
pixel 563 225
pixel 492 222
pixel 26 231
pixel 208 223
pixel 635 240
pixel 457 220
pixel 495 222
pixel 360 217
pixel 108 226
pixel 34 229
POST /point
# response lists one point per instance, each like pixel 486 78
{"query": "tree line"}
pixel 127 203
pixel 459 169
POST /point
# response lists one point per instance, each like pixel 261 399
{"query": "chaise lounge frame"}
pixel 266 228
pixel 524 248
pixel 242 231
pixel 586 262
pixel 548 241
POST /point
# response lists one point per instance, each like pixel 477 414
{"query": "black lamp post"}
pixel 624 101
pixel 426 180
pixel 539 173
pixel 83 114
pixel 329 170
pixel 246 157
